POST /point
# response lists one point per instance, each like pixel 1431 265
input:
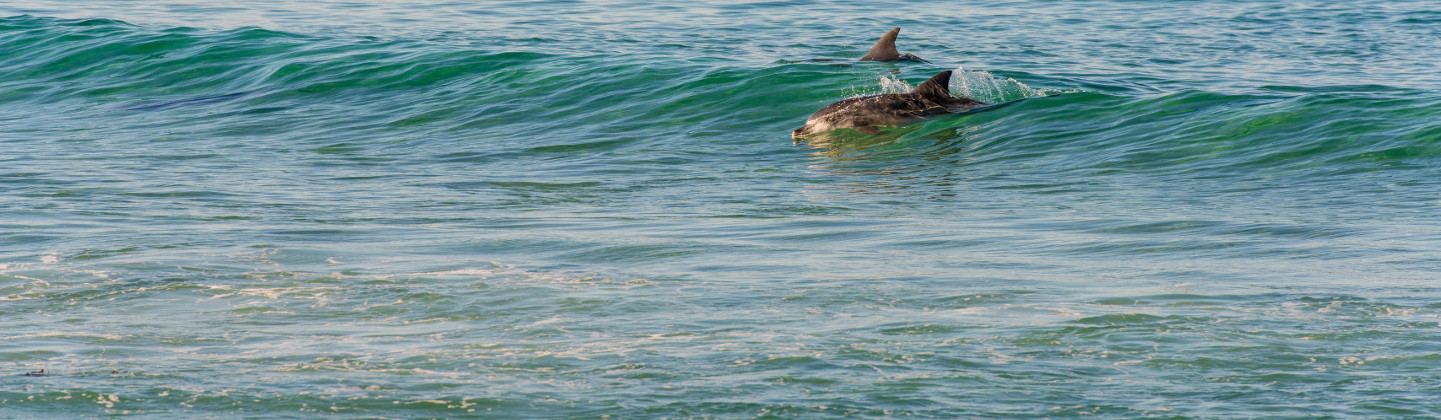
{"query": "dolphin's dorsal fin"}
pixel 885 49
pixel 938 86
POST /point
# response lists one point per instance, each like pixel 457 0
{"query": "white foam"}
pixel 548 321
pixel 66 334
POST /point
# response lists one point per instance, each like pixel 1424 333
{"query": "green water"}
pixel 424 209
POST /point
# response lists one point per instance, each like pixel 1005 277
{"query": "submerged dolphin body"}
pixel 863 114
pixel 885 49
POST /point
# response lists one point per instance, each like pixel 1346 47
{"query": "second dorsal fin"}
pixel 885 49
pixel 937 86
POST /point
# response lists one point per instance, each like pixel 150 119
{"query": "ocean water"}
pixel 429 208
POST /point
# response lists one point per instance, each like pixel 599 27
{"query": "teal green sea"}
pixel 594 209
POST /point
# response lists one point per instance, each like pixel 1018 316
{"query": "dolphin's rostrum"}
pixel 885 49
pixel 865 113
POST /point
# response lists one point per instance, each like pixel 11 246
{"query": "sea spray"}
pixel 983 86
pixel 980 85
pixel 893 84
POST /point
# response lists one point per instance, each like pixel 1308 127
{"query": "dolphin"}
pixel 863 114
pixel 885 49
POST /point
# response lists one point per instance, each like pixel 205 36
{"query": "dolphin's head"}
pixel 803 131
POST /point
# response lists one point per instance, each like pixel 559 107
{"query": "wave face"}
pixel 577 209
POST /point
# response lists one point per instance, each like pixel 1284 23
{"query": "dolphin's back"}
pixel 863 114
pixel 903 105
